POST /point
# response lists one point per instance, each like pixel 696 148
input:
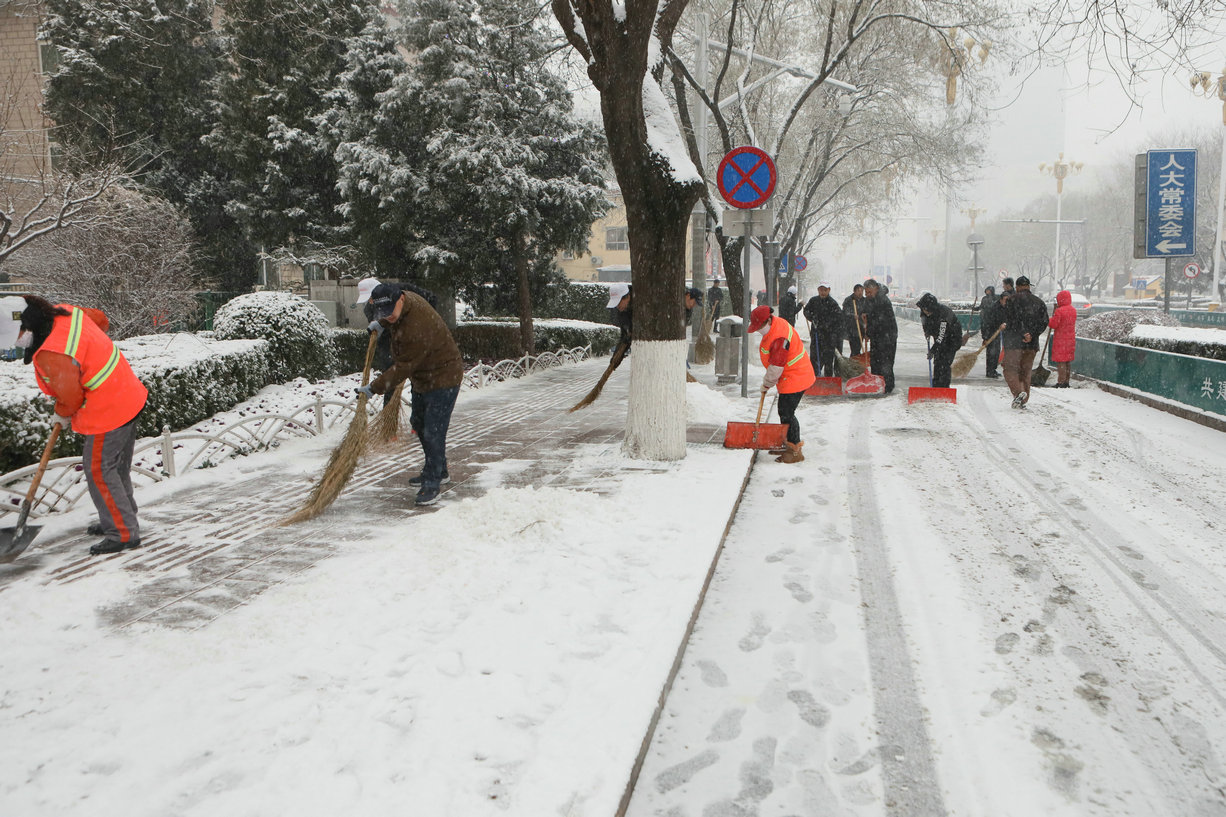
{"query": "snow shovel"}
pixel 930 393
pixel 823 386
pixel 1039 374
pixel 755 434
pixel 15 540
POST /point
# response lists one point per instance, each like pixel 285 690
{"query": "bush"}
pixel 1115 326
pixel 499 340
pixel 298 334
pixel 349 346
pixel 1206 343
pixel 577 301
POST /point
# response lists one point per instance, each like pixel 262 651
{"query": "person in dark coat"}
pixel 425 354
pixel 692 298
pixel 881 330
pixel 621 308
pixel 825 329
pixel 1025 317
pixel 717 299
pixel 1063 325
pixel 789 306
pixel 853 316
pixel 383 348
pixel 942 326
pixel 990 319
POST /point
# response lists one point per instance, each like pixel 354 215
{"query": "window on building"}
pixel 616 238
pixel 48 58
pixel 567 255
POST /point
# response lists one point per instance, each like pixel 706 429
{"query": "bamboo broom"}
pixel 965 361
pixel 387 425
pixel 618 354
pixel 704 347
pixel 344 457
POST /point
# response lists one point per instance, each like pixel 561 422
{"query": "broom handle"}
pixel 1045 347
pixel 758 419
pixel 42 463
pixel 856 311
pixel 370 356
pixel 999 329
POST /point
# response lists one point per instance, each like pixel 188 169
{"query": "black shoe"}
pixel 992 374
pixel 112 546
pixel 417 480
pixel 94 529
pixel 426 496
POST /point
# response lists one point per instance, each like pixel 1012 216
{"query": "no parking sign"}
pixel 746 177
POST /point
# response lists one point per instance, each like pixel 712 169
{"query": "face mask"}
pixel 25 340
pixel 763 329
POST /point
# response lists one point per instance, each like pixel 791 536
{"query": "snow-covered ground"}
pixel 946 609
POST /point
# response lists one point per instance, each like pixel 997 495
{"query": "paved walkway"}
pixel 211 545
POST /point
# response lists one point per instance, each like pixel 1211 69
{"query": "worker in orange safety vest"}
pixel 788 368
pixel 98 394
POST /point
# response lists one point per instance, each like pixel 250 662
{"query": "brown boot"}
pixel 777 451
pixel 793 453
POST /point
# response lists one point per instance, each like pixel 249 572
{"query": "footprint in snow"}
pixel 757 634
pixel 1006 643
pixel 1000 699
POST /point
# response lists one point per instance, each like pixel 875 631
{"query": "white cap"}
pixel 365 287
pixel 792 289
pixel 825 284
pixel 616 293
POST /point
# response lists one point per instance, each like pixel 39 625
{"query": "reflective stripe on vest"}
pixel 74 333
pixel 765 350
pixel 106 371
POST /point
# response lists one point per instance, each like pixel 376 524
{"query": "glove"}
pixel 376 327
pixel 62 421
pixel 364 390
pixel 765 388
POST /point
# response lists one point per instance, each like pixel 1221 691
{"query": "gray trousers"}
pixel 108 473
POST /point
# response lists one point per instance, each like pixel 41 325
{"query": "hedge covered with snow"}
pixel 1207 343
pixel 499 339
pixel 298 334
pixel 1116 326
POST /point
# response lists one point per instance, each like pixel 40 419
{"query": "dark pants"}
pixel 993 353
pixel 430 417
pixel 108 473
pixel 881 358
pixel 821 353
pixel 853 338
pixel 1018 367
pixel 787 414
pixel 942 360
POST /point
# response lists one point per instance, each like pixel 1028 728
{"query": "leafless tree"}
pixel 129 255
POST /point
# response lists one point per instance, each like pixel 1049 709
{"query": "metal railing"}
pixel 155 459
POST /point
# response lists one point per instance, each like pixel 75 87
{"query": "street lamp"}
pixel 974 241
pixel 1204 84
pixel 1060 169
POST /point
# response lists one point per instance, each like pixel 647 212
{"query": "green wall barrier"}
pixel 1194 381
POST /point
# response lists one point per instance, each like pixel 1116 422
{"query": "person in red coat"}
pixel 1063 325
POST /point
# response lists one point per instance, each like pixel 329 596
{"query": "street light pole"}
pixel 1060 169
pixel 1205 84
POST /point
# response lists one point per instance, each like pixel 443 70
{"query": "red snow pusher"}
pixel 930 393
pixel 825 386
pixel 867 383
pixel 756 434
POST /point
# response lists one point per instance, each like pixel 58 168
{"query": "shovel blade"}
pixel 929 394
pixel 15 540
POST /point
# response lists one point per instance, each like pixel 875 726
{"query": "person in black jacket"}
pixel 853 316
pixel 942 326
pixel 825 329
pixel 1025 317
pixel 881 330
pixel 990 319
pixel 717 299
pixel 788 306
pixel 621 309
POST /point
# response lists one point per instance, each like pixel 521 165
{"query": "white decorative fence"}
pixel 172 453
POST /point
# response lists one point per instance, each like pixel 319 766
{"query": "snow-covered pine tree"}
pixel 284 57
pixel 475 161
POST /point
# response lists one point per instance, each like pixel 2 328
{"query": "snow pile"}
pixel 298 334
pixel 1116 326
pixel 705 406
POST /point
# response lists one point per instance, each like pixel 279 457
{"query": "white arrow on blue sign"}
pixel 1170 203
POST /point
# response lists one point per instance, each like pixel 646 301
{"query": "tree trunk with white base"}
pixel 655 429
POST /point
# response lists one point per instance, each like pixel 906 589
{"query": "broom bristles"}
pixel 964 363
pixel 340 467
pixel 704 346
pixel 847 368
pixel 387 425
pixel 614 362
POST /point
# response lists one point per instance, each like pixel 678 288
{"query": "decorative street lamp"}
pixel 1204 84
pixel 1060 169
pixel 974 241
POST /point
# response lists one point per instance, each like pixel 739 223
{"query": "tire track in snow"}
pixel 909 771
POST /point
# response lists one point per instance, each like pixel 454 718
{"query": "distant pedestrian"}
pixel 825 329
pixel 942 326
pixel 692 298
pixel 788 306
pixel 853 316
pixel 761 297
pixel 1006 286
pixel 990 319
pixel 881 329
pixel 787 368
pixel 1025 319
pixel 100 397
pixel 1063 325
pixel 425 354
pixel 717 300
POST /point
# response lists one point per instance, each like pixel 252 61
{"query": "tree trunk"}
pixel 527 337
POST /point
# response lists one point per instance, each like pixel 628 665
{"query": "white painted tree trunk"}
pixel 655 419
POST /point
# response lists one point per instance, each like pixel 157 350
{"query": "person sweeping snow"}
pixel 941 324
pixel 97 392
pixel 788 368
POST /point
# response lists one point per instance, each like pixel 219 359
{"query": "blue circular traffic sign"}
pixel 799 263
pixel 746 177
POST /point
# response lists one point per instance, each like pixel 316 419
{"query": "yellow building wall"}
pixel 24 150
pixel 587 266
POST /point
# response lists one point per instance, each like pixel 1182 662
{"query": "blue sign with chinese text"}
pixel 1170 203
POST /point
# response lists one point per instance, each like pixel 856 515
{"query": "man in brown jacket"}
pixel 424 352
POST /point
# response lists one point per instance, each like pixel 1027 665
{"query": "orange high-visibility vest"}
pixel 798 371
pixel 113 392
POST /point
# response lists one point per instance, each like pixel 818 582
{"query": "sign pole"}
pixel 745 276
pixel 1166 286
